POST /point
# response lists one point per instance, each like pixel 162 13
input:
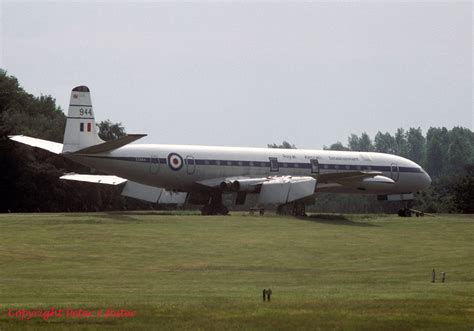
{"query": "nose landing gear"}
pixel 407 212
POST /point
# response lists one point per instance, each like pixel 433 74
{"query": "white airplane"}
pixel 288 178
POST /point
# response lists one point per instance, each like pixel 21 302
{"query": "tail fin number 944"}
pixel 85 111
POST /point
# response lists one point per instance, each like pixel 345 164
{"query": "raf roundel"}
pixel 175 161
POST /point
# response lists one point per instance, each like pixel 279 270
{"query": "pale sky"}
pixel 249 73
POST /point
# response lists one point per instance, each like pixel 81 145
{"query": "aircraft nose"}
pixel 426 178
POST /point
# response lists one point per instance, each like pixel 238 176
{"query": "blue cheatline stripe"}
pixel 261 164
pixel 80 105
pixel 80 118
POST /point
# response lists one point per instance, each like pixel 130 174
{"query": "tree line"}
pixel 441 152
pixel 29 176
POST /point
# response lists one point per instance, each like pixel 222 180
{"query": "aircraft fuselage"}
pixel 179 167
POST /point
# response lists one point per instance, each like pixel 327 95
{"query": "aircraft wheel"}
pixel 299 209
pixel 294 209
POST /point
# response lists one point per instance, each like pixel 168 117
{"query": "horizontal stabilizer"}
pixel 110 145
pixel 50 146
pixel 98 179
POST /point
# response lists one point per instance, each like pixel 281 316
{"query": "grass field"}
pixel 347 272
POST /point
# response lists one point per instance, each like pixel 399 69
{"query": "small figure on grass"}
pixel 433 276
pixel 269 294
pixel 264 294
pixel 443 276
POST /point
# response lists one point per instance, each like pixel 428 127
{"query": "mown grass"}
pixel 183 271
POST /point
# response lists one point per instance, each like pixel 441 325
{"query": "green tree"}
pixel 384 143
pixel 460 150
pixel 361 144
pixel 365 143
pixel 464 191
pixel 353 142
pixel 27 173
pixel 458 156
pixel 338 146
pixel 437 142
pixel 401 145
pixel 434 157
pixel 284 144
pixel 416 145
pixel 110 131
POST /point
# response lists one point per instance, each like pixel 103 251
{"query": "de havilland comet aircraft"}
pixel 287 178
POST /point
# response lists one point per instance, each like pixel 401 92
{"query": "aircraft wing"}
pixel 272 190
pixel 348 176
pixel 132 189
pixel 286 189
pixel 360 180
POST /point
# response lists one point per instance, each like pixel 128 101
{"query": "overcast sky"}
pixel 248 74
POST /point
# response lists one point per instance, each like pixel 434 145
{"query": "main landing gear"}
pixel 296 208
pixel 407 212
pixel 215 206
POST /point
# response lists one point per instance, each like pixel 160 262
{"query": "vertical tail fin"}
pixel 81 131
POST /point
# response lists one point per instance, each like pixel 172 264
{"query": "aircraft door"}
pixel 314 166
pixel 273 164
pixel 154 164
pixel 394 171
pixel 190 165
